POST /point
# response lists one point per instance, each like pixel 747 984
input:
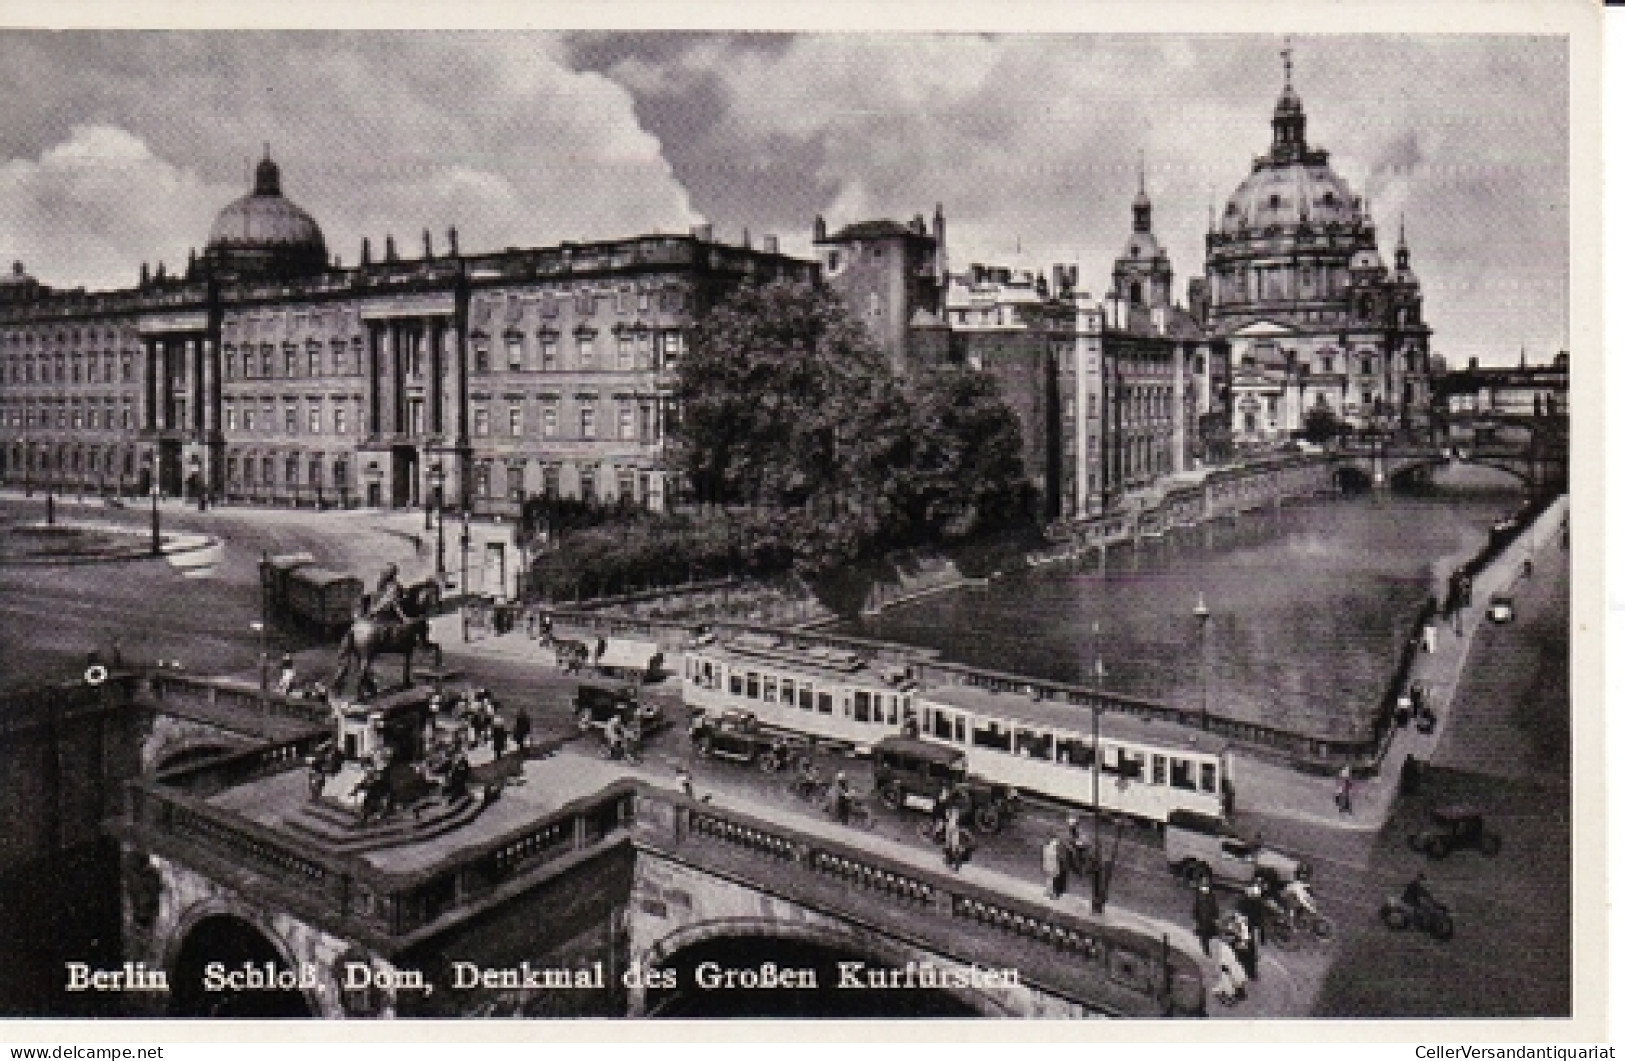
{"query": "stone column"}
pixel 397 365
pixel 150 347
pixel 436 395
pixel 374 383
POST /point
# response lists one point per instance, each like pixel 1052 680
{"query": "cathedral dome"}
pixel 1289 195
pixel 263 232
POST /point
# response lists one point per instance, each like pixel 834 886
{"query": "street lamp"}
pixel 152 474
pixel 437 483
pixel 258 627
pixel 202 490
pixel 1097 895
pixel 1202 617
pixel 463 585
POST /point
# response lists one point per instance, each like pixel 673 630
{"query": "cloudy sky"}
pixel 119 148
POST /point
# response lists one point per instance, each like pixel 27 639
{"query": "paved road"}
pixel 1506 746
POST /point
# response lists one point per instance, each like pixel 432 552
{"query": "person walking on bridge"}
pixel 1207 916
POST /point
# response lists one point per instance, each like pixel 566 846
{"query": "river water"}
pixel 1309 607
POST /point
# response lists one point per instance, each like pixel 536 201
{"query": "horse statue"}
pixel 369 638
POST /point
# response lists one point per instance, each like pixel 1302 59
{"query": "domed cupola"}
pixel 263 234
pixel 1142 275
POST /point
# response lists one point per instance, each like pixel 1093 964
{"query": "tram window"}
pixel 959 729
pixel 770 689
pixel 1183 776
pixel 826 704
pixel 1132 764
pixel 860 702
pixel 1210 777
pixel 891 711
pixel 1159 769
pixel 989 735
pixel 1074 752
pixel 736 685
pixel 1033 745
pixel 806 696
pixel 753 685
pixel 940 725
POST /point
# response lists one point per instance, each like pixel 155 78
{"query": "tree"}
pixel 1321 425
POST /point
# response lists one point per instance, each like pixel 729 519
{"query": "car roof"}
pixel 1051 714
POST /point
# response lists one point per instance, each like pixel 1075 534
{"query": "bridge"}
pixel 579 891
pixel 1531 449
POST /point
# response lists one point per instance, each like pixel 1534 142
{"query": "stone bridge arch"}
pixel 768 939
pixel 173 741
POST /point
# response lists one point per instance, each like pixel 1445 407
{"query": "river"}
pixel 1309 607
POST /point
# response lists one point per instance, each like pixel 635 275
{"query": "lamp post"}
pixel 1097 894
pixel 437 483
pixel 259 628
pixel 375 479
pixel 463 585
pixel 157 538
pixel 1202 617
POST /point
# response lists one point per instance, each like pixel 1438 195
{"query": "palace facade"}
pixel 265 372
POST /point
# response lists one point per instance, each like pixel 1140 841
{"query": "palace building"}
pixel 267 373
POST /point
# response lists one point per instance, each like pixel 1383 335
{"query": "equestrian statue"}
pixel 393 620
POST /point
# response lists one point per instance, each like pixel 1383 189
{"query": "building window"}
pixel 315 471
pixel 550 420
pixel 516 482
pixel 550 354
pixel 1071 409
pixel 248 417
pixel 314 361
pixel 516 354
pixel 414 416
pixel 290 419
pixel 339 426
pixel 290 362
pixel 482 357
pixel 626 424
pixel 265 361
pixel 643 301
pixel 671 348
pixel 482 421
pixel 125 417
pixel 268 468
pixel 290 471
pixel 315 419
pixel 586 303
pixel 107 368
pixel 231 417
pixel 626 486
pixel 623 301
pixel 645 350
pixel 589 422
pixel 589 486
pixel 339 363
pixel 550 481
pixel 1365 366
pixel 623 352
pixel 516 419
pixel 584 350
pixel 482 479
pixel 231 365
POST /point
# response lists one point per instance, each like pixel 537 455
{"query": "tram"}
pixel 828 693
pixel 1148 769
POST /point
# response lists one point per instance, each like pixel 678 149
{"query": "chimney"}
pixel 451 241
pixel 366 250
pixel 744 240
pixel 389 248
pixel 818 228
pixel 146 275
pixel 770 244
pixel 701 233
pixel 428 247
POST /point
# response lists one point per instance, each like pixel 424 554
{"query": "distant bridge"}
pixel 1534 450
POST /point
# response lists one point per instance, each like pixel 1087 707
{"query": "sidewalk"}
pixel 1274 790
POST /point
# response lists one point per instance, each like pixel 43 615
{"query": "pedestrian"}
pixel 521 730
pixel 840 796
pixel 1251 906
pixel 1054 863
pixel 1239 934
pixel 1207 915
pixel 499 737
pixel 1345 790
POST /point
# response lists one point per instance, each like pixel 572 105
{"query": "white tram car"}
pixel 1147 769
pixel 827 693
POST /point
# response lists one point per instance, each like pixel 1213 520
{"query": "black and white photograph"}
pixel 655 524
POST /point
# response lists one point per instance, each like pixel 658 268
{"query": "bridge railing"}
pixel 176 689
pixel 1105 967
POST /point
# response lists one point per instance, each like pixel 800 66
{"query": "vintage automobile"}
pixel 598 702
pixel 1205 848
pixel 1454 828
pixel 1500 609
pixel 910 774
pixel 739 736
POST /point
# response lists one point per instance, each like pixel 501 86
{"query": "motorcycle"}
pixel 1433 919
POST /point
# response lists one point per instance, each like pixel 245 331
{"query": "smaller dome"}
pixel 1143 246
pixel 1369 258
